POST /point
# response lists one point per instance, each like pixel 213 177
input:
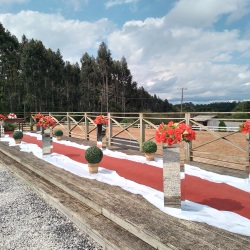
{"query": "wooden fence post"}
pixel 86 121
pixel 109 136
pixel 188 144
pixel 248 155
pixel 142 130
pixel 68 123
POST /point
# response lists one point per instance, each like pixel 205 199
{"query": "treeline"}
pixel 216 107
pixel 36 79
pixel 33 78
pixel 219 107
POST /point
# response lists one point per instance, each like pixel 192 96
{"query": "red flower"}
pixel 101 119
pixel 11 116
pixel 46 122
pixel 2 117
pixel 38 116
pixel 245 127
pixel 173 133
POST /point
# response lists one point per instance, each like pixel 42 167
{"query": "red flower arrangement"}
pixel 38 116
pixel 46 122
pixel 12 116
pixel 101 119
pixel 2 117
pixel 173 133
pixel 245 127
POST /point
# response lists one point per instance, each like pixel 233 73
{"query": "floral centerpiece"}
pixel 38 116
pixel 101 119
pixel 173 133
pixel 245 127
pixel 2 117
pixel 170 134
pixel 46 122
pixel 12 116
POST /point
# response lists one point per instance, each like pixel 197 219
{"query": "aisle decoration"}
pixel 46 123
pixel 12 116
pixel 37 117
pixel 245 129
pixel 100 120
pixel 173 133
pixel 170 135
pixel 2 118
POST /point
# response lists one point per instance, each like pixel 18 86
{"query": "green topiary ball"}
pixel 18 134
pixel 149 147
pixel 93 154
pixel 58 132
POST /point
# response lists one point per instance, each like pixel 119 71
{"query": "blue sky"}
pixel 200 45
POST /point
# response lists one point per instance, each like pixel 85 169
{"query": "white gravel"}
pixel 28 222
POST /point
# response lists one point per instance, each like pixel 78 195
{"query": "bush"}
pixel 127 120
pixel 149 147
pixel 10 126
pixel 18 134
pixel 222 126
pixel 93 154
pixel 58 132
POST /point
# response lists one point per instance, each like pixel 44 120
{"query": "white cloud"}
pixel 164 58
pixel 206 12
pixel 242 9
pixel 72 37
pixel 112 3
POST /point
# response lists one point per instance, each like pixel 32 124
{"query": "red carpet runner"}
pixel 217 195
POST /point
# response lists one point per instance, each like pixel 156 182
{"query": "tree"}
pixel 104 64
pixel 89 86
pixel 9 70
pixel 34 74
pixel 33 78
pixel 242 107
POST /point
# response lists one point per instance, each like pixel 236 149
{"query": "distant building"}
pixel 212 122
pixel 204 119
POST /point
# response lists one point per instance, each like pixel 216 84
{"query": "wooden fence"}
pixel 214 145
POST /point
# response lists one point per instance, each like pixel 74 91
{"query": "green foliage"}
pixel 222 126
pixel 149 147
pixel 127 120
pixel 58 132
pixel 213 107
pixel 18 134
pixel 93 154
pixel 9 126
pixel 34 78
pixel 242 107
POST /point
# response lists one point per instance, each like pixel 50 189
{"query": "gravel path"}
pixel 28 222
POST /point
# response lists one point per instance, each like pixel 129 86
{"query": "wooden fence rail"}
pixel 222 146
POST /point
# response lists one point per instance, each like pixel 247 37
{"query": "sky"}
pixel 198 48
pixel 226 220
